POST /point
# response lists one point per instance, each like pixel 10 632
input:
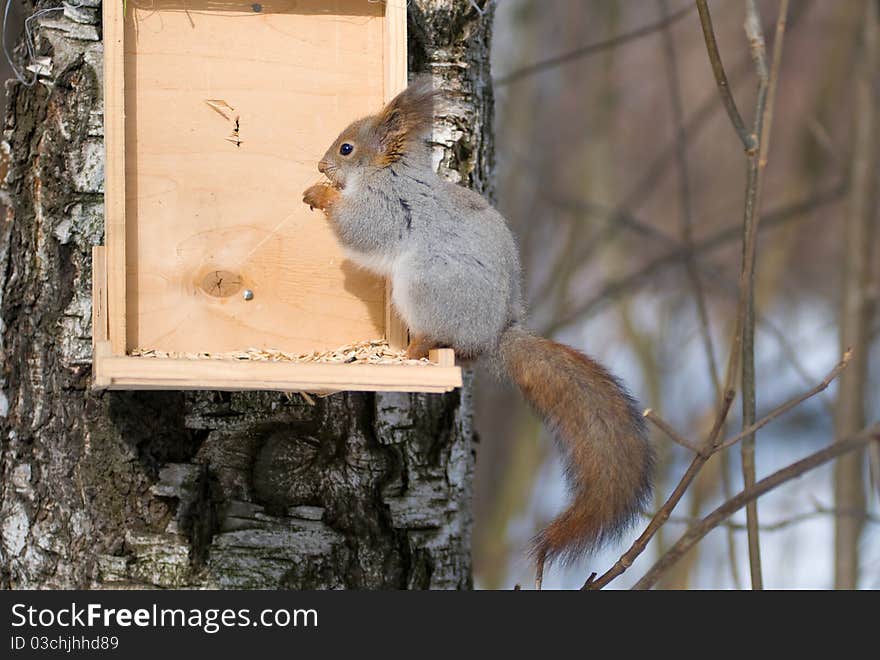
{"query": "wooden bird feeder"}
pixel 216 113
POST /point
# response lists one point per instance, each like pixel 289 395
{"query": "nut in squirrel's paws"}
pixel 320 196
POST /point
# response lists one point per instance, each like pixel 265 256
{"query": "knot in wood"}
pixel 221 283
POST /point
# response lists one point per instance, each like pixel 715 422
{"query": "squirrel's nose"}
pixel 322 166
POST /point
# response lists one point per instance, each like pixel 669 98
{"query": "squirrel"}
pixel 455 275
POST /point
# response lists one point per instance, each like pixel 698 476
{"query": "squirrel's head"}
pixel 376 142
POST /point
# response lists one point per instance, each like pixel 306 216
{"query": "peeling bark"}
pixel 193 489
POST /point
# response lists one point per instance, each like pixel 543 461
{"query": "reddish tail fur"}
pixel 609 462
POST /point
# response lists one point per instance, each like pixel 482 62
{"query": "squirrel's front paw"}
pixel 320 196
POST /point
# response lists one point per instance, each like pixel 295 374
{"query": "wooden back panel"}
pixel 228 108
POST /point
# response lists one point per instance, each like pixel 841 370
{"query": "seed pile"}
pixel 376 351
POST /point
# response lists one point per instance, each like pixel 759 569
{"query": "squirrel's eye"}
pixel 346 149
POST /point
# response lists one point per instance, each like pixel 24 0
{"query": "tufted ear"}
pixel 406 119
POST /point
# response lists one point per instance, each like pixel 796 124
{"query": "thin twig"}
pixel 620 218
pixel 648 182
pixel 788 405
pixel 757 151
pixel 687 239
pixel 687 224
pixel 698 531
pixel 790 354
pixel 623 214
pixel 785 523
pixel 698 120
pixel 710 447
pixel 749 142
pixel 694 124
pixel 674 435
pixel 757 162
pixel 627 558
pixel 590 49
pixel 674 256
pixel 680 439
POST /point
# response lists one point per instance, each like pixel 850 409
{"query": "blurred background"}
pixel 599 183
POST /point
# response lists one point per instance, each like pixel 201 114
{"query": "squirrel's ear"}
pixel 407 118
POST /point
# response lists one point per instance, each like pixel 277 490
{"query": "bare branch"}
pixel 674 256
pixel 757 148
pixel 785 523
pixel 757 162
pixel 749 141
pixel 687 239
pixel 687 224
pixel 698 531
pixel 766 419
pixel 590 49
pixel 694 124
pixel 674 435
pixel 711 446
pixel 627 558
pixel 620 287
pixel 788 405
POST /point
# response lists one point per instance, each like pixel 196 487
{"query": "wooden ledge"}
pixel 125 372
pixel 114 372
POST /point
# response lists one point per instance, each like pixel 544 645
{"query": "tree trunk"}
pixel 191 489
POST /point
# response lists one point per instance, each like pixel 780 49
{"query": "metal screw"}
pixel 247 294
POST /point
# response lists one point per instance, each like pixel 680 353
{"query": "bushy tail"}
pixel 609 462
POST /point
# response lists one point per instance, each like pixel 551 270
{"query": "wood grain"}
pixel 114 172
pixel 394 54
pixel 114 372
pixel 223 110
pixel 443 357
pixel 282 84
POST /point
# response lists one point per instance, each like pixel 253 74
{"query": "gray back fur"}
pixel 452 260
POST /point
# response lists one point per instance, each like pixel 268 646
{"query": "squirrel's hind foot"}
pixel 419 347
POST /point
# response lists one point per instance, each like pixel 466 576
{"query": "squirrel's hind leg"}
pixel 419 346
